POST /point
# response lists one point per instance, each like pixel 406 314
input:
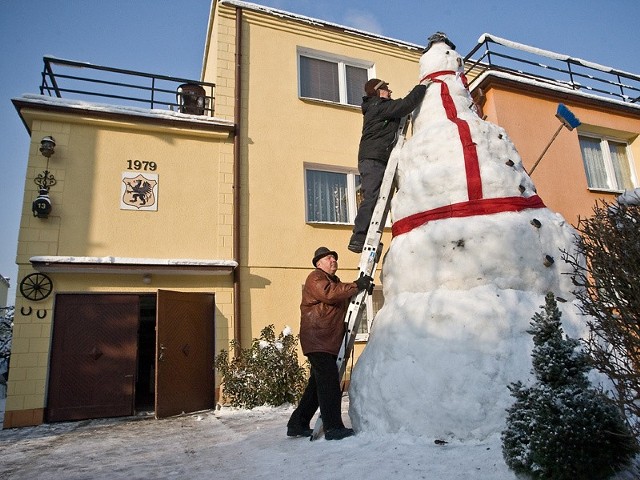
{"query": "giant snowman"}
pixel 474 251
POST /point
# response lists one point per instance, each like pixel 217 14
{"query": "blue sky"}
pixel 167 37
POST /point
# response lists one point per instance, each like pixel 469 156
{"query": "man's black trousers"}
pixel 323 390
pixel 371 175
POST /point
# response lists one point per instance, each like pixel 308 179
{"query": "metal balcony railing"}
pixel 82 81
pixel 554 69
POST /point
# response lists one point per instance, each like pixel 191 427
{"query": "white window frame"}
pixel 342 63
pixel 604 140
pixel 351 174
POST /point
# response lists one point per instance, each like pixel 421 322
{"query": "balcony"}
pixel 551 69
pixel 84 81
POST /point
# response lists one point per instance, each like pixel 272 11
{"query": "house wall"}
pixel 279 132
pixel 560 178
pixel 193 221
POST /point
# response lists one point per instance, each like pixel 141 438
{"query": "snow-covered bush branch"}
pixel 267 373
pixel 609 294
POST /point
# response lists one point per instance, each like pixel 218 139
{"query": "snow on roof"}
pixel 59 263
pixel 550 54
pixel 558 87
pixel 134 261
pixel 318 22
pixel 122 109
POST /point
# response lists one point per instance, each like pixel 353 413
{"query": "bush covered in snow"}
pixel 267 373
pixel 561 427
pixel 6 331
pixel 6 334
pixel 609 293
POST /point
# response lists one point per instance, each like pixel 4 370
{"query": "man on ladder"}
pixel 381 117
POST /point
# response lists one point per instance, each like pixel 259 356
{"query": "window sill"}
pixel 329 103
pixel 329 224
pixel 605 190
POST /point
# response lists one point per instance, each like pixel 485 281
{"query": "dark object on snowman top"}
pixel 436 38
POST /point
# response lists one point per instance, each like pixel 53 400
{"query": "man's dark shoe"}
pixel 299 431
pixel 356 246
pixel 339 433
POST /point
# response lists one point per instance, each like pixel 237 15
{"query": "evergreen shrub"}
pixel 561 427
pixel 267 373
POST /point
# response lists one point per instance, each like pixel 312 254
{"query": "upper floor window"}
pixel 607 162
pixel 323 76
pixel 332 194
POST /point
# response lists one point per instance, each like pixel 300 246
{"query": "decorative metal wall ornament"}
pixel 41 314
pixel 45 180
pixel 36 286
pixel 41 206
pixel 27 313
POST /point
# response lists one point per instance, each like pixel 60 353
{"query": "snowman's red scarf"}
pixel 476 205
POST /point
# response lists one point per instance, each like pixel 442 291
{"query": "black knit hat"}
pixel 373 85
pixel 322 252
pixel 438 37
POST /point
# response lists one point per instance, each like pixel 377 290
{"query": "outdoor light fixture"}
pixel 47 146
pixel 41 206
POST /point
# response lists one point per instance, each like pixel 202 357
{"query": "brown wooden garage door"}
pixel 185 375
pixel 93 356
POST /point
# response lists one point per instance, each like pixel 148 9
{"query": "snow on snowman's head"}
pixel 440 55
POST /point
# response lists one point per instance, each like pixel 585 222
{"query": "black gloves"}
pixel 364 282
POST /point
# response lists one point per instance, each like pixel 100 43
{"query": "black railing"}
pixel 126 87
pixel 496 54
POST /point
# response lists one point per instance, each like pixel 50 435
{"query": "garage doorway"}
pixel 118 355
pixel 145 386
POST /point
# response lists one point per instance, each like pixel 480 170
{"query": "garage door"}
pixel 185 376
pixel 93 357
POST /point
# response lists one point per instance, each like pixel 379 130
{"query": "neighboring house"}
pixel 520 87
pixel 4 289
pixel 165 222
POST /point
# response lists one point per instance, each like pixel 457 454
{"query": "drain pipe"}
pixel 237 329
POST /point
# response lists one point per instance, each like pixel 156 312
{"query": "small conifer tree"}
pixel 560 427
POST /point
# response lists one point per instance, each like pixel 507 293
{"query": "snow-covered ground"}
pixel 235 444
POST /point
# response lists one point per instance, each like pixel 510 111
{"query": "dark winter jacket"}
pixel 325 300
pixel 381 119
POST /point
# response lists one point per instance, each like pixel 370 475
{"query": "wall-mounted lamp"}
pixel 41 206
pixel 47 146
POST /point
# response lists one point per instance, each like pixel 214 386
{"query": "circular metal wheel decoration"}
pixel 36 286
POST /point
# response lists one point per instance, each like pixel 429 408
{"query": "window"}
pixel 607 163
pixel 332 196
pixel 373 304
pixel 327 77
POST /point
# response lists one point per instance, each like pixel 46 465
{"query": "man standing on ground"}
pixel 325 300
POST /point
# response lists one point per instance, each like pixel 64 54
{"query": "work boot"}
pixel 298 431
pixel 356 246
pixel 339 433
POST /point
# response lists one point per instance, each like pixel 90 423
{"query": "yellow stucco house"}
pixel 169 228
